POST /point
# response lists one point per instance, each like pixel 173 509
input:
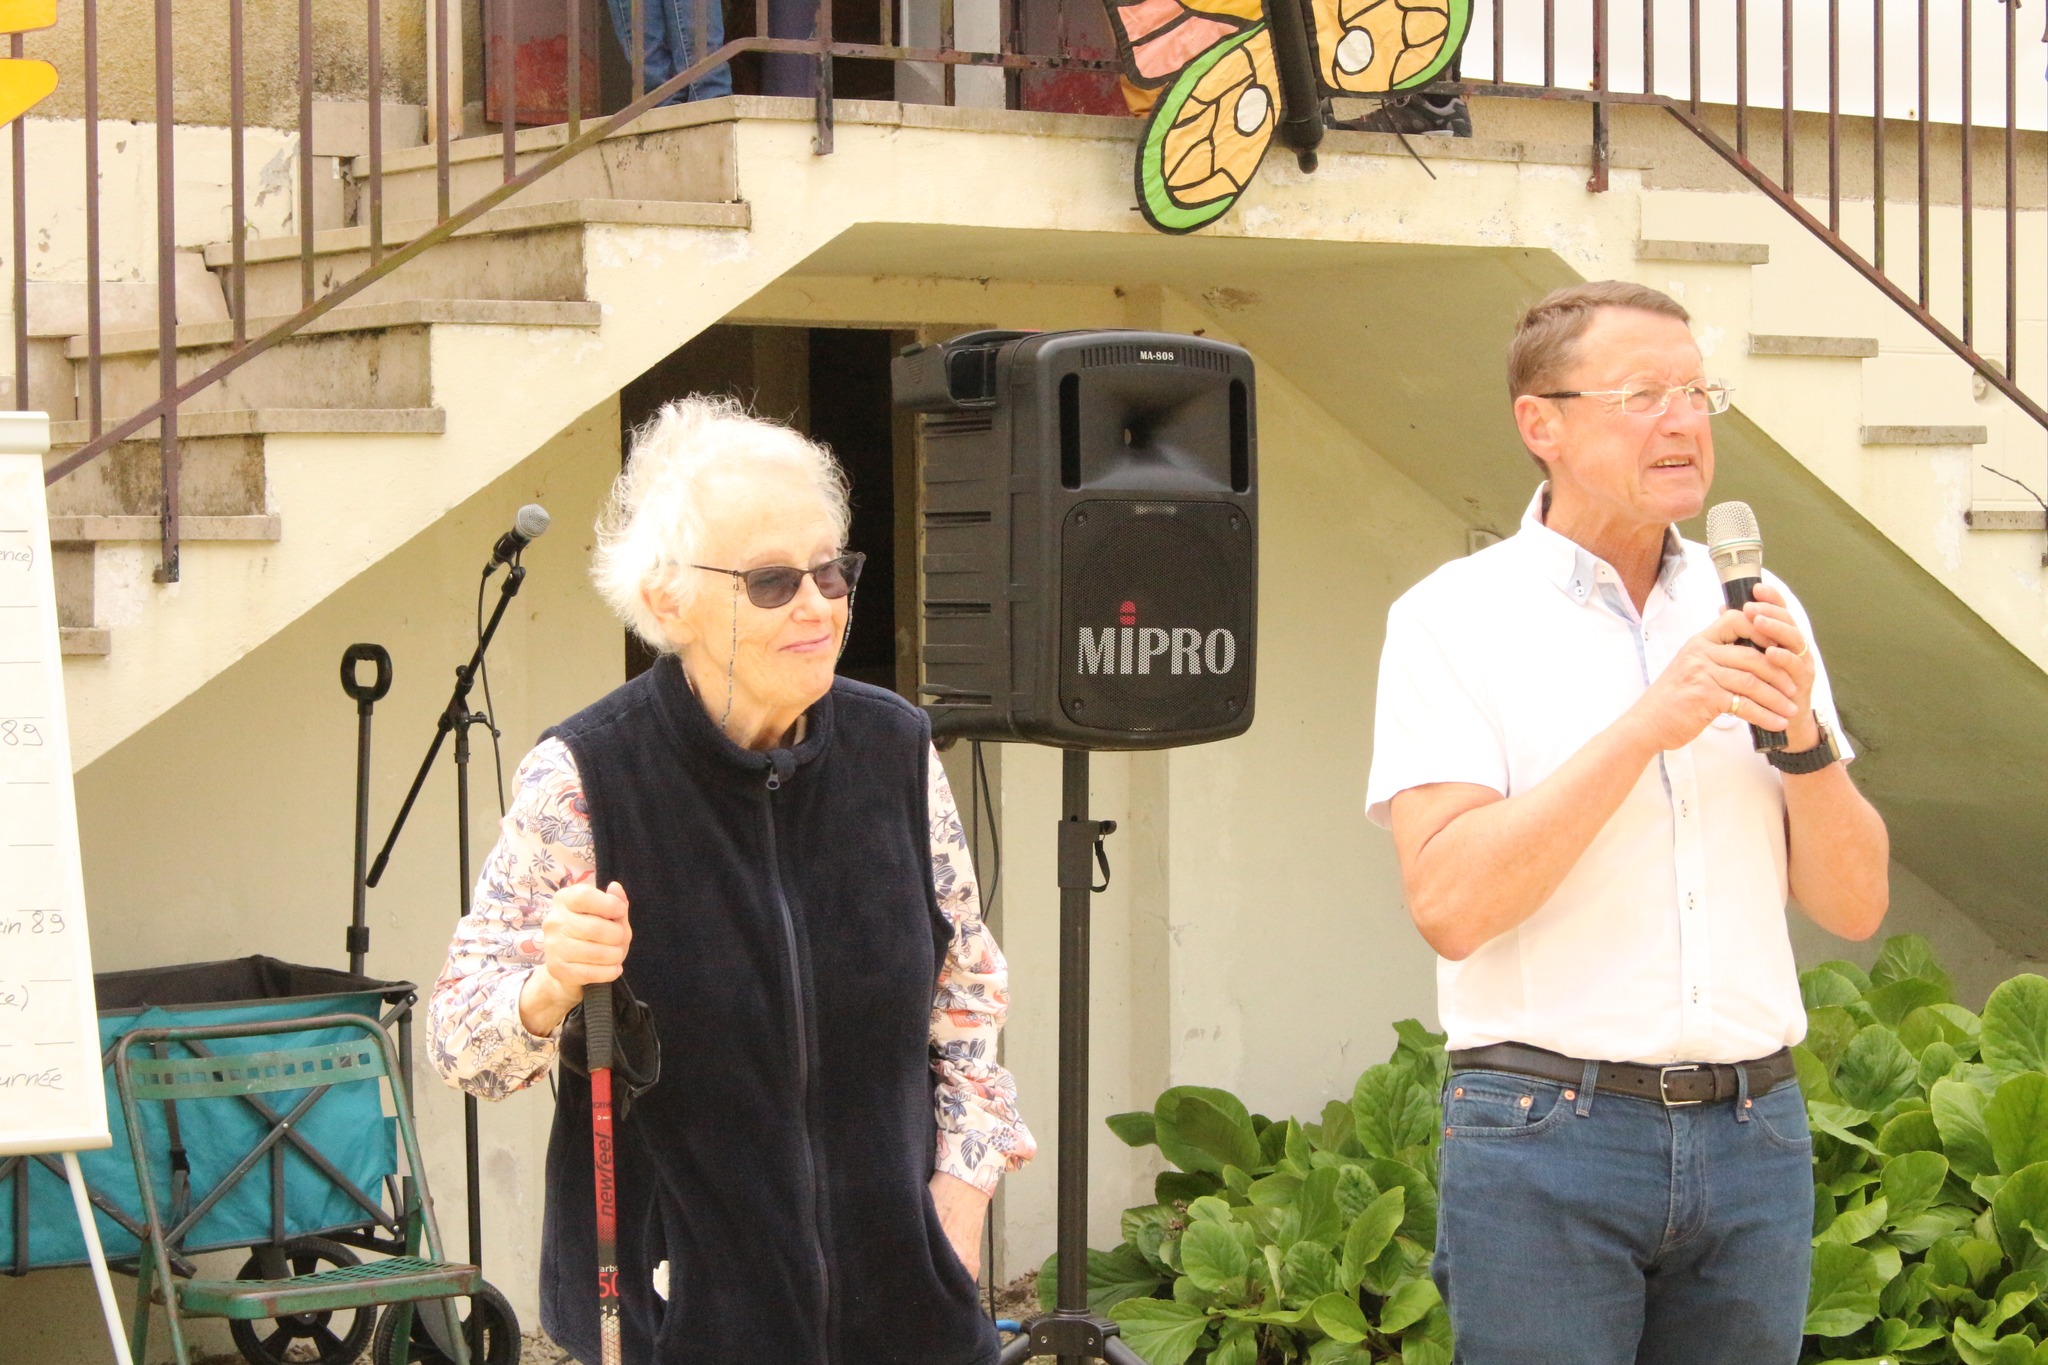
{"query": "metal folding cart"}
pixel 302 1173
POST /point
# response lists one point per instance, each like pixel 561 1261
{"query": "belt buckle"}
pixel 1664 1084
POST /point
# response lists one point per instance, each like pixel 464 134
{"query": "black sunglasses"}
pixel 776 585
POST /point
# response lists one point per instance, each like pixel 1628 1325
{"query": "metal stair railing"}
pixel 579 135
pixel 1867 49
pixel 1567 48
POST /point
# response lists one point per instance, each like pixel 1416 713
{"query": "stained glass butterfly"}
pixel 1208 65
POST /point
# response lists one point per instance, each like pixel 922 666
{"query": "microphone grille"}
pixel 532 521
pixel 1733 538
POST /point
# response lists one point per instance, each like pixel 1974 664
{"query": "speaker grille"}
pixel 1157 615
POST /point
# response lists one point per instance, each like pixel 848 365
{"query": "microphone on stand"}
pixel 530 525
pixel 1737 548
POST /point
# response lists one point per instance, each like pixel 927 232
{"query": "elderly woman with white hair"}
pixel 768 858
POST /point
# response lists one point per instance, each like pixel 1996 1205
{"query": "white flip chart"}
pixel 52 1094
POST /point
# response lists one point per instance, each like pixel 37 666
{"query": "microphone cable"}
pixel 978 800
pixel 484 676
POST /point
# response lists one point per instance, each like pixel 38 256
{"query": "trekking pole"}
pixel 597 1042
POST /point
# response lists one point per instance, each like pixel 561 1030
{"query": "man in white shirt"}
pixel 1601 859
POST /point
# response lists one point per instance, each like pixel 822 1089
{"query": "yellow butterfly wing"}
pixel 1208 133
pixel 1370 47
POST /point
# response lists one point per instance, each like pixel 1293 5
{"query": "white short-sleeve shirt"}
pixel 1667 939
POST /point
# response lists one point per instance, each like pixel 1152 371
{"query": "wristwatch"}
pixel 1807 760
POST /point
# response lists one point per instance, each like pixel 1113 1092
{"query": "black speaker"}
pixel 1090 555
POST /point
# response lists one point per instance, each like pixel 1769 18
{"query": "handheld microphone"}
pixel 1737 548
pixel 530 525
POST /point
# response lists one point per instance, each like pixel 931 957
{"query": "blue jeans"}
pixel 669 43
pixel 1609 1230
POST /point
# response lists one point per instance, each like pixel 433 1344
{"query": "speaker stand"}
pixel 1070 1332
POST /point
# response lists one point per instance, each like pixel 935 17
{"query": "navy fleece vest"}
pixel 788 938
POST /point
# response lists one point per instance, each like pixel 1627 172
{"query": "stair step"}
pixel 684 153
pixel 368 317
pixel 277 422
pixel 2006 519
pixel 1859 348
pixel 1705 253
pixel 515 218
pixel 80 530
pixel 1925 436
pixel 93 641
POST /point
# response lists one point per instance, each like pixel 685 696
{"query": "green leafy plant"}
pixel 1284 1241
pixel 1274 1242
pixel 1930 1132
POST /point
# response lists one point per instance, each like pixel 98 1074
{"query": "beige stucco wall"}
pixel 200 58
pixel 225 828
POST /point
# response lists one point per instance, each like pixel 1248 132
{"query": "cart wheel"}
pixel 500 1330
pixel 330 1337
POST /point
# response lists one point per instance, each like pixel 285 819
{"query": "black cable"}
pixel 978 799
pixel 483 670
pixel 983 797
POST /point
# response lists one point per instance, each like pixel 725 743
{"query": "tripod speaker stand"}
pixel 1070 1331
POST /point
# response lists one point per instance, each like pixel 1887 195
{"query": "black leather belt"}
pixel 1678 1084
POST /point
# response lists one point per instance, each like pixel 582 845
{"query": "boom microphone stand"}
pixel 457 718
pixel 1070 1331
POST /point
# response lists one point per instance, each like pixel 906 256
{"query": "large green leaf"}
pixel 1855 1224
pixel 2017 1119
pixel 1913 1131
pixel 1137 1128
pixel 1218 1257
pixel 1146 1227
pixel 1959 1115
pixel 1113 1276
pixel 1408 1305
pixel 1203 1129
pixel 1164 1332
pixel 1844 967
pixel 1355 1190
pixel 1392 1111
pixel 1844 1289
pixel 1309 1271
pixel 1829 1030
pixel 1340 1316
pixel 1421 1054
pixel 1893 1003
pixel 1912 1182
pixel 2015 1035
pixel 1429 1341
pixel 1370 1232
pixel 1907 957
pixel 1876 1069
pixel 1338 1130
pixel 1236 1344
pixel 1184 1187
pixel 1936 1023
pixel 2020 1212
pixel 1315 1217
pixel 1937 1060
pixel 1418 1221
pixel 1823 985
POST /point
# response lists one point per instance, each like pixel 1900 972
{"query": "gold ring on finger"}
pixel 1734 704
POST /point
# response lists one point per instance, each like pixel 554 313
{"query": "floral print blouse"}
pixel 476 1041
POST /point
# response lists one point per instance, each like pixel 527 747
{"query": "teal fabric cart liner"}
pixel 347 1126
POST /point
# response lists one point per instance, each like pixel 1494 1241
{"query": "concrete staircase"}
pixel 402 390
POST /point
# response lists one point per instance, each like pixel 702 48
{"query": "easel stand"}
pixel 1070 1332
pixel 457 718
pixel 97 1255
